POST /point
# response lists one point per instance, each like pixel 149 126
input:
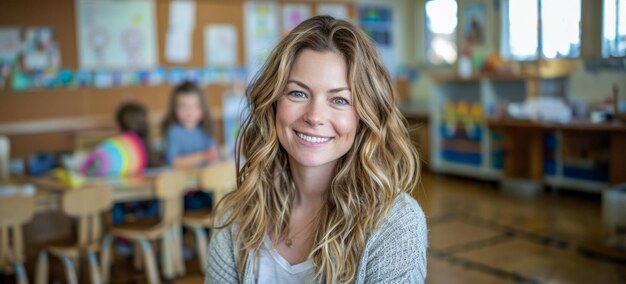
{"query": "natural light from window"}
pixel 614 28
pixel 560 29
pixel 560 21
pixel 441 23
pixel 523 37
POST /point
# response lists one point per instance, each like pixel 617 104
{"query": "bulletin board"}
pixel 88 103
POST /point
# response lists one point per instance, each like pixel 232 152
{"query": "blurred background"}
pixel 517 108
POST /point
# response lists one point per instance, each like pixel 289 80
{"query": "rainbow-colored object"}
pixel 123 154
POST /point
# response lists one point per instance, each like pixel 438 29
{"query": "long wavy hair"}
pixel 381 165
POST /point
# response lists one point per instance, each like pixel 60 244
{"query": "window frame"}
pixel 505 50
pixel 427 41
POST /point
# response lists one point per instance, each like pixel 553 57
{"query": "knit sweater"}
pixel 394 253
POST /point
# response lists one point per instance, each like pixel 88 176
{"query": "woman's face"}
pixel 188 110
pixel 315 116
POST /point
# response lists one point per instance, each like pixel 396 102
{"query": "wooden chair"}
pixel 87 205
pixel 5 150
pixel 169 189
pixel 218 179
pixel 15 211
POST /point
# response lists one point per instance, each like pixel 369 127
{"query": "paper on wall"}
pixel 178 45
pixel 10 44
pixel 338 11
pixel 182 14
pixel 116 34
pixel 220 45
pixel 261 34
pixel 293 15
pixel 179 37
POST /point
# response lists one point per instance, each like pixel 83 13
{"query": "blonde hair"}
pixel 381 165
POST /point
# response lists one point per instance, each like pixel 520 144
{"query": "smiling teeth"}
pixel 313 139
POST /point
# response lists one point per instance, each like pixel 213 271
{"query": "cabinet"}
pixel 461 141
pixel 468 139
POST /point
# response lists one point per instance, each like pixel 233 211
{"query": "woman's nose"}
pixel 315 113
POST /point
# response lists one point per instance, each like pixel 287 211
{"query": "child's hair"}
pixel 188 88
pixel 133 116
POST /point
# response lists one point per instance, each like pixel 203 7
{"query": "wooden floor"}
pixel 479 235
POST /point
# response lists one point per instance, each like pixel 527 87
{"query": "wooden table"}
pixel 50 224
pixel 50 190
pixel 525 149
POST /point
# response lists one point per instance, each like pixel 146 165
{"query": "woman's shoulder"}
pixel 405 215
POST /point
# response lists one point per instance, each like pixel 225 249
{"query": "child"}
pixel 189 141
pixel 127 153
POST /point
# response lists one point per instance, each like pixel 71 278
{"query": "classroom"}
pixel 295 141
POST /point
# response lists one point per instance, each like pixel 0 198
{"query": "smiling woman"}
pixel 322 194
pixel 315 122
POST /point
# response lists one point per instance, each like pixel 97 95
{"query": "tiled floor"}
pixel 479 235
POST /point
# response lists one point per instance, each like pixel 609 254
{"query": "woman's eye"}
pixel 340 101
pixel 297 94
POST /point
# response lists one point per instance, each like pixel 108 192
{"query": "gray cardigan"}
pixel 394 253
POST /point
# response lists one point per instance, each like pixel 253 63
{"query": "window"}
pixel 540 28
pixel 614 28
pixel 441 22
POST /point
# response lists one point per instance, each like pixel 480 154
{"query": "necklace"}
pixel 289 240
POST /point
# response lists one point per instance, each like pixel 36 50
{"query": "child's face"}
pixel 188 110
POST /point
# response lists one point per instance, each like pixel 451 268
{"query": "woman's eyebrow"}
pixel 304 86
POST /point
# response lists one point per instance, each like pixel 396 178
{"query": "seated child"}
pixel 125 154
pixel 189 142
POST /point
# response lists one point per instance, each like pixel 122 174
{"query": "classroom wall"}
pixel 585 85
pixel 71 111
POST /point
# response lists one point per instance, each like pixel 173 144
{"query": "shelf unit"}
pixel 491 94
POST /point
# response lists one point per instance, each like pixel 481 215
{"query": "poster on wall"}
pixel 337 11
pixel 10 48
pixel 261 33
pixel 376 21
pixel 116 34
pixel 40 49
pixel 10 44
pixel 293 15
pixel 179 36
pixel 473 24
pixel 220 45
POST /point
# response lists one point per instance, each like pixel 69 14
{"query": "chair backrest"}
pixel 87 204
pixel 169 189
pixel 219 179
pixel 5 157
pixel 14 212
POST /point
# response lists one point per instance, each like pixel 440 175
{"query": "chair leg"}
pixel 20 273
pixel 70 270
pixel 94 269
pixel 41 272
pixel 179 260
pixel 166 255
pixel 152 272
pixel 105 257
pixel 201 247
pixel 137 257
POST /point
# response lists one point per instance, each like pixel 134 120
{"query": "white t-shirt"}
pixel 273 268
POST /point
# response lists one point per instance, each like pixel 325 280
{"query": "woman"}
pixel 322 195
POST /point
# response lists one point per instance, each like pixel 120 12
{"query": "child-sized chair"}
pixel 169 189
pixel 87 205
pixel 218 179
pixel 15 211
